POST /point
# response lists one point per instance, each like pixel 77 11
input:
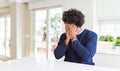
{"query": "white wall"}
pixel 107 8
pixel 44 3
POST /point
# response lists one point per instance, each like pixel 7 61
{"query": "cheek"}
pixel 66 28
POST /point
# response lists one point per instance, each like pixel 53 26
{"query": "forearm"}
pixel 84 52
pixel 60 50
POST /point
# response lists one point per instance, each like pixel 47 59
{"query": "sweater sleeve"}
pixel 87 51
pixel 60 50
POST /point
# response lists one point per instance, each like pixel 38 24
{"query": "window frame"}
pixel 5 15
pixel 47 21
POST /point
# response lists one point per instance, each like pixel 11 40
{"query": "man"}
pixel 76 44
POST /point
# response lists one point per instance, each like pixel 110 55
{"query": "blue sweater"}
pixel 81 50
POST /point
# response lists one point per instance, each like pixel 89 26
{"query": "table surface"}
pixel 37 64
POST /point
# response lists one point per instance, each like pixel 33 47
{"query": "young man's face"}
pixel 72 30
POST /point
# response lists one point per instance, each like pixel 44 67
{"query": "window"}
pixel 4 34
pixel 48 28
pixel 107 27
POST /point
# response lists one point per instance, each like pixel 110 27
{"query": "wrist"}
pixel 67 41
pixel 73 39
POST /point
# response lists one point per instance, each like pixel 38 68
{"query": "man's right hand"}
pixel 68 37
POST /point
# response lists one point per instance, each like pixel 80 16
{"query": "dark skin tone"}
pixel 71 32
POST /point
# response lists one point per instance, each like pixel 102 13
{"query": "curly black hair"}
pixel 73 16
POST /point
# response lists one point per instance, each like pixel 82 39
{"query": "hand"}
pixel 73 30
pixel 68 37
pixel 67 31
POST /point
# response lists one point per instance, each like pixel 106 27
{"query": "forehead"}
pixel 70 24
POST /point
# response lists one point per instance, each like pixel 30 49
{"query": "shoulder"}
pixel 90 33
pixel 63 35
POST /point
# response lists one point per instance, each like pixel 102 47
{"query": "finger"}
pixel 71 29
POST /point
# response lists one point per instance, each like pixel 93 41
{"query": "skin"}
pixel 71 32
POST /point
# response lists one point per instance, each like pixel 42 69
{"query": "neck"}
pixel 80 30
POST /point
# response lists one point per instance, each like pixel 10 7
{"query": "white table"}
pixel 37 64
